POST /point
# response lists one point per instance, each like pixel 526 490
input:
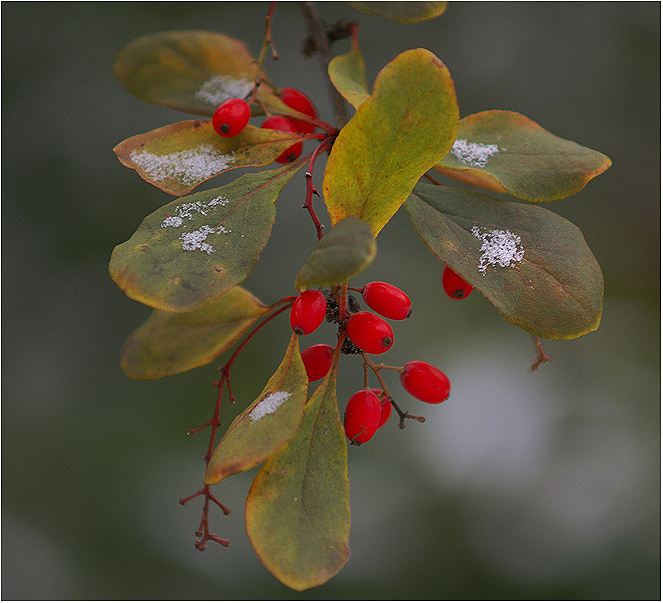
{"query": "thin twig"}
pixel 310 188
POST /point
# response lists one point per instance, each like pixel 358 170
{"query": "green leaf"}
pixel 402 12
pixel 190 252
pixel 342 253
pixel 179 157
pixel 297 511
pixel 402 130
pixel 532 265
pixel 268 423
pixel 193 71
pixel 173 342
pixel 506 152
pixel 348 75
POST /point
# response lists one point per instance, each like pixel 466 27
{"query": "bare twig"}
pixel 320 41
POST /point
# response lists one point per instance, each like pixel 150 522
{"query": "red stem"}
pixel 310 188
pixel 203 532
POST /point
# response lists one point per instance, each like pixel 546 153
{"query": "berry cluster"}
pixel 367 333
pixel 232 116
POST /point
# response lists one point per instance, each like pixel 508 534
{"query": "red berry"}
pixel 455 286
pixel 299 102
pixel 283 124
pixel 425 382
pixel 387 300
pixel 317 360
pixel 231 117
pixel 370 333
pixel 385 406
pixel 362 416
pixel 308 311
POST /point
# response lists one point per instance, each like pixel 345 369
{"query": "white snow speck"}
pixel 174 221
pixel 473 153
pixel 196 239
pixel 187 211
pixel 186 167
pixel 223 87
pixel 500 247
pixel 268 405
pixel 220 200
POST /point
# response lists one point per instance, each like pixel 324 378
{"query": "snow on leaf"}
pixel 223 87
pixel 268 405
pixel 187 210
pixel 187 167
pixel 195 239
pixel 475 154
pixel 500 247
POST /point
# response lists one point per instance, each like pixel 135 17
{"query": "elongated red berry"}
pixel 317 360
pixel 283 124
pixel 299 102
pixel 385 406
pixel 362 416
pixel 455 286
pixel 231 117
pixel 387 300
pixel 308 311
pixel 370 332
pixel 425 382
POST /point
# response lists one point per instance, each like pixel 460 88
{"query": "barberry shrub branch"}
pixel 188 258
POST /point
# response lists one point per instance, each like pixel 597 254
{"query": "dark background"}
pixel 521 486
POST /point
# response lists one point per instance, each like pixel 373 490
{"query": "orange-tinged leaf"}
pixel 297 511
pixel 533 265
pixel 173 342
pixel 179 157
pixel 193 71
pixel 506 152
pixel 268 423
pixel 402 12
pixel 402 130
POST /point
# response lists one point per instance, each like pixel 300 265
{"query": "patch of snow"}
pixel 268 405
pixel 196 239
pixel 473 153
pixel 186 167
pixel 499 247
pixel 223 87
pixel 187 211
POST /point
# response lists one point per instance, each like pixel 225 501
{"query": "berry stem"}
pixel 376 369
pixel 542 357
pixel 203 532
pixel 342 309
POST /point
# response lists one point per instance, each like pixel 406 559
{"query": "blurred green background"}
pixel 521 486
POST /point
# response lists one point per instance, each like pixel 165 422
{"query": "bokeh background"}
pixel 521 486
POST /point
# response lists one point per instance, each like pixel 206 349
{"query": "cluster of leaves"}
pixel 188 258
